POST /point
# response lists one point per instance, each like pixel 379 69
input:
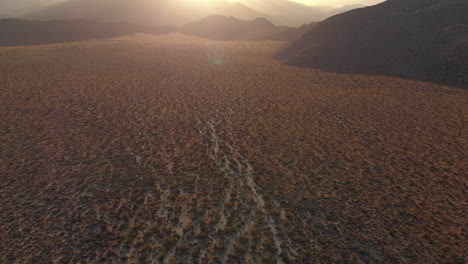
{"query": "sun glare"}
pixel 198 2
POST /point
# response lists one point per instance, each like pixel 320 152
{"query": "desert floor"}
pixel 174 149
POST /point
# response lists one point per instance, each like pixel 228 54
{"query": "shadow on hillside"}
pixel 448 74
pixel 424 40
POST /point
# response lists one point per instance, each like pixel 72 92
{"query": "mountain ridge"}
pixel 180 12
pixel 224 28
pixel 19 32
pixel 142 12
pixel 398 38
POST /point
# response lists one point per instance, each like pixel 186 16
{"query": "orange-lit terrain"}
pixel 175 149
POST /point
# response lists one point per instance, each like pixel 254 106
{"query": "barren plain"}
pixel 175 149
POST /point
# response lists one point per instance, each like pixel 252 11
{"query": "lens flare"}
pixel 215 54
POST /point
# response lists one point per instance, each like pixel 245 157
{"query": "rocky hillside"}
pixel 423 39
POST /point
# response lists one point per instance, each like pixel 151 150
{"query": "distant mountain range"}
pixel 229 28
pixel 418 39
pixel 144 12
pixel 17 32
pixel 290 13
pixel 179 12
pixel 18 8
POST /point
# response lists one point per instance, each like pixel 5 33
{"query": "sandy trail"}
pixel 239 171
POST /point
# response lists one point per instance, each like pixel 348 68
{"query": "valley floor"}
pixel 173 149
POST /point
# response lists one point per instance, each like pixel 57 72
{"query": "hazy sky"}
pixel 339 2
pixel 13 5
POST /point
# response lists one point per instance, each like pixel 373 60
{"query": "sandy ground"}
pixel 173 149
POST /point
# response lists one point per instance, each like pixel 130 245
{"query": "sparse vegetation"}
pixel 140 149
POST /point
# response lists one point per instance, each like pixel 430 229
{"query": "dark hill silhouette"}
pixel 229 28
pixel 17 32
pixel 419 39
pixel 143 12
